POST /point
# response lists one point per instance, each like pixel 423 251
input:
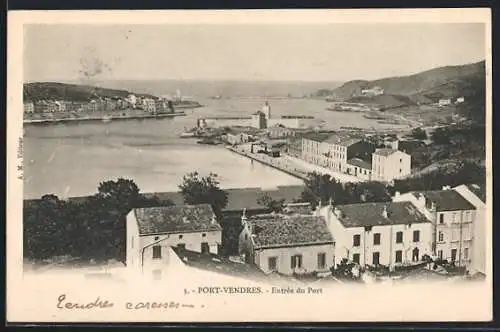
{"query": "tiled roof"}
pixel 298 208
pixel 360 163
pixel 343 140
pixel 478 191
pixel 446 200
pixel 385 152
pixel 280 230
pixel 371 214
pixel 175 219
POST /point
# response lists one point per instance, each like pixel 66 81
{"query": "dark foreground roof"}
pixel 176 219
pixel 478 191
pixel 371 214
pixel 446 200
pixel 280 230
pixel 224 265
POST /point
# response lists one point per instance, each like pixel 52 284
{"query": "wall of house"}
pixel 283 258
pixel 132 243
pixel 359 172
pixel 478 257
pixel 387 248
pixel 388 168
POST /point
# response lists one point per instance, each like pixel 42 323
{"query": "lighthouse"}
pixel 266 109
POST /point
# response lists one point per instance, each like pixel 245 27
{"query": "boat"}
pixel 106 118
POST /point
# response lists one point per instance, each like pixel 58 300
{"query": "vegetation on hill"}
pixel 425 88
pixel 72 92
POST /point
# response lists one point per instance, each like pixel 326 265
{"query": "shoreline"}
pixel 104 118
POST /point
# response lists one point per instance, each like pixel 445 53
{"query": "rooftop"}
pixel 280 230
pixel 478 191
pixel 385 152
pixel 360 163
pixel 344 140
pixel 176 219
pixel 371 214
pixel 226 266
pixel 445 200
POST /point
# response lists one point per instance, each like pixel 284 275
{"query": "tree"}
pixel 419 133
pixel 197 189
pixel 272 204
pixel 121 194
pixel 321 188
pixel 441 136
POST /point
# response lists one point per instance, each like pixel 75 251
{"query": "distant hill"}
pixel 73 92
pixel 426 87
pixel 450 81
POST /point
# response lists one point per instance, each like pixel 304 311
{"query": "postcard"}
pixel 249 166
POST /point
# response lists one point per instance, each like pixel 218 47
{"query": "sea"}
pixel 71 159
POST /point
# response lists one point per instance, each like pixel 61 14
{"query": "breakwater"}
pixel 280 165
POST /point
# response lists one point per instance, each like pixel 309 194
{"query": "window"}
pixel 399 237
pixel 180 236
pixel 440 254
pixel 453 254
pixel 400 170
pixel 441 218
pixel 416 236
pixel 272 263
pixel 205 248
pixel 401 160
pixel 181 245
pixel 440 237
pixel 356 240
pixel 132 242
pixel 355 258
pixel 203 234
pixel 376 258
pixel 415 255
pixel 376 238
pixel 156 252
pixel 157 238
pixel 296 262
pixel 466 253
pixel 399 256
pixel 321 260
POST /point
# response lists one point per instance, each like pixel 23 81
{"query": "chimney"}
pixel 244 217
pixel 330 202
pixel 421 199
pixel 214 220
pixel 337 212
pixel 384 212
pixel 446 187
pixel 397 194
pixel 433 206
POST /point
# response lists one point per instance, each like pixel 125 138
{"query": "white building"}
pixel 287 243
pixel 375 91
pixel 444 102
pixel 152 231
pixel 475 195
pixel 29 107
pixel 452 217
pixel 390 164
pixel 132 99
pixel 460 100
pixel 266 109
pixel 385 233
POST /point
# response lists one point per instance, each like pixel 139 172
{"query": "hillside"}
pixel 62 91
pixel 450 81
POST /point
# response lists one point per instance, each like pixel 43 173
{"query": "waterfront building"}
pixel 386 233
pixel 390 164
pixel 148 104
pixel 453 219
pixel 287 243
pixel 279 131
pixel 29 107
pixel 152 231
pixel 333 151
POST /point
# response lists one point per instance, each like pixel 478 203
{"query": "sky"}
pixel 322 52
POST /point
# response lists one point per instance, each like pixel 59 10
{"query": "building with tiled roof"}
pixel 385 233
pixel 360 168
pixel 390 164
pixel 150 232
pixel 332 151
pixel 287 243
pixel 453 218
